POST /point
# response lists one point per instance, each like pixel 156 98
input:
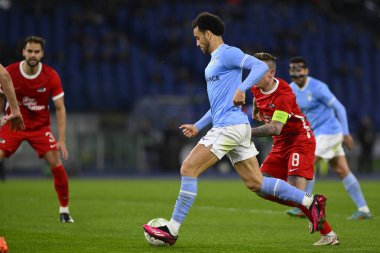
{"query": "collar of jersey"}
pixel 272 90
pixel 217 49
pixel 30 76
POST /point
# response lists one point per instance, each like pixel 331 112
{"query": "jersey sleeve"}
pixel 233 57
pixel 57 90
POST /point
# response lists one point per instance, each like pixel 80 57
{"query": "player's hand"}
pixel 348 141
pixel 239 98
pixel 16 121
pixel 62 148
pixel 189 130
pixel 256 116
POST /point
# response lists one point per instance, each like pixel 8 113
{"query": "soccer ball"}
pixel 157 222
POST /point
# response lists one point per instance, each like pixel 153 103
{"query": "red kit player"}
pixel 35 83
pixel 292 155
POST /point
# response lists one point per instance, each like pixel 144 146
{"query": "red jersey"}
pixel 33 93
pixel 282 98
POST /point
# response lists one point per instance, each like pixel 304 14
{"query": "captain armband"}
pixel 280 116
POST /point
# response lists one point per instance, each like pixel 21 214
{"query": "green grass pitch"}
pixel 226 217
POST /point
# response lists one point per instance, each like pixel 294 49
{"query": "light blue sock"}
pixel 352 186
pixel 310 185
pixel 185 199
pixel 282 190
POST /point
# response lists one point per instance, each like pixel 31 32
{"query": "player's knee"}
pixel 187 169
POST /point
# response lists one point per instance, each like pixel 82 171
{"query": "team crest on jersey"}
pixel 213 61
pixel 2 141
pixel 271 105
pixel 42 89
pixel 309 97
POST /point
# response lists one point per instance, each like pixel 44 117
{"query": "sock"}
pixel 352 186
pixel 284 191
pixel 310 186
pixel 64 209
pixel 61 185
pixel 185 200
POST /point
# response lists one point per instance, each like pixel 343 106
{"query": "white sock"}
pixel 332 233
pixel 364 209
pixel 174 227
pixel 307 200
pixel 64 209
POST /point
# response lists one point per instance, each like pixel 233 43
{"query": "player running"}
pixel 328 120
pixel 34 84
pixel 292 155
pixel 231 131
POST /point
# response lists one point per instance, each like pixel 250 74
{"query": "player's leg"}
pixel 352 186
pixel 205 154
pixel 44 144
pixel 61 184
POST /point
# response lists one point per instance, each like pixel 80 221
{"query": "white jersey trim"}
pixel 331 101
pixel 30 76
pixel 242 61
pixel 272 90
pixel 58 96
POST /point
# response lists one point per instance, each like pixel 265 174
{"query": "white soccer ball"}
pixel 157 222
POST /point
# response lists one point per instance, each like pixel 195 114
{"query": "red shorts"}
pixel 42 140
pixel 295 158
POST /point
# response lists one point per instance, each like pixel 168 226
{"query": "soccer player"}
pixel 292 155
pixel 231 131
pixel 328 120
pixel 34 84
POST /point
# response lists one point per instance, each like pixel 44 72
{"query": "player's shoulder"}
pixel 316 84
pixel 47 70
pixel 283 85
pixel 11 68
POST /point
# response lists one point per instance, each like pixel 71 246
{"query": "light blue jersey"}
pixel 224 76
pixel 325 113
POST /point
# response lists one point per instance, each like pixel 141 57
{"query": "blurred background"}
pixel 132 73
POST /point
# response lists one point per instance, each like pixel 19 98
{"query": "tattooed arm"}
pixel 271 129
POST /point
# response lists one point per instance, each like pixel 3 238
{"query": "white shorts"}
pixel 233 141
pixel 329 146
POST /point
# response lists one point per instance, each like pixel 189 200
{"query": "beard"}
pixel 32 62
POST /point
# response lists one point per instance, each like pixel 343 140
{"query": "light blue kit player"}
pixel 231 131
pixel 328 120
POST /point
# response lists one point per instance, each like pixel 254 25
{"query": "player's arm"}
pixel 191 130
pixel 255 111
pixel 274 127
pixel 326 96
pixel 341 115
pixel 7 88
pixel 60 112
pixel 235 58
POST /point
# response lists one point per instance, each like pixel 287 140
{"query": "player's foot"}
pixel 317 210
pixel 295 212
pixel 3 245
pixel 359 215
pixel 65 218
pixel 161 233
pixel 327 240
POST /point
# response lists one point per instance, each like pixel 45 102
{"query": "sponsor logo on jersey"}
pixel 42 89
pixel 213 78
pixel 31 104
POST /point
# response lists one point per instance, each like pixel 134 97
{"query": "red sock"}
pixel 326 226
pixel 61 184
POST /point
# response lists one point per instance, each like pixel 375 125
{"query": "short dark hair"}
pixel 299 59
pixel 208 21
pixel 35 39
pixel 268 58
